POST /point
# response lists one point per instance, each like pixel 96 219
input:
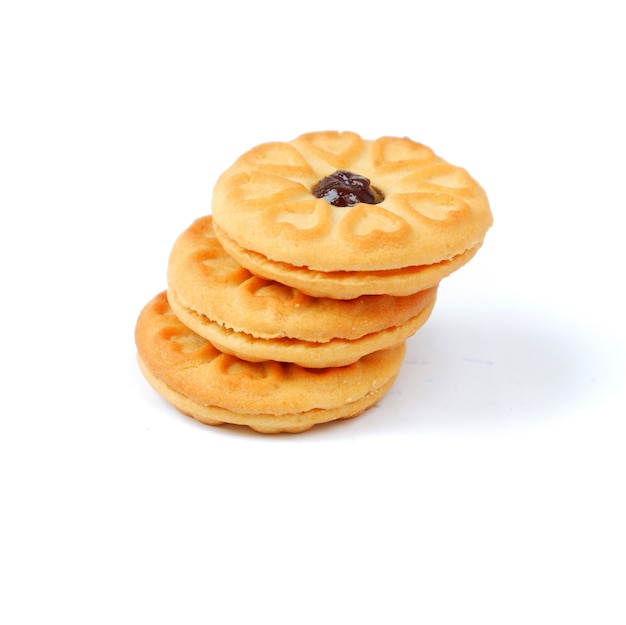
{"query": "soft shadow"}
pixel 508 369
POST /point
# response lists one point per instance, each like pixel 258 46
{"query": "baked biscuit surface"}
pixel 269 396
pixel 430 213
pixel 259 319
pixel 210 282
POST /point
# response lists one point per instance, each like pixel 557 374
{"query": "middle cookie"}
pixel 258 319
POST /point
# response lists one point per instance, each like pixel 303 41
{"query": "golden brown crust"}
pixel 263 423
pixel 195 369
pixel 432 211
pixel 346 284
pixel 333 353
pixel 260 319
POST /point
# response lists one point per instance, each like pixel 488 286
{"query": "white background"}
pixel 486 487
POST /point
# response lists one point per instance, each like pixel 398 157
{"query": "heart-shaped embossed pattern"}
pixel 338 149
pixel 262 189
pixel 440 177
pixel 431 206
pixel 393 154
pixel 373 222
pixel 273 158
pixel 311 217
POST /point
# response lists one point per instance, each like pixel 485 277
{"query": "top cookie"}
pixel 427 211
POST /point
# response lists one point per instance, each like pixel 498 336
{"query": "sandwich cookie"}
pixel 269 397
pixel 258 319
pixel 338 216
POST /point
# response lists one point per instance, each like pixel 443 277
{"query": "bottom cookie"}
pixel 269 397
pixel 263 423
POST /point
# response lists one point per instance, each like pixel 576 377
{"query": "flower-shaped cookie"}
pixel 430 217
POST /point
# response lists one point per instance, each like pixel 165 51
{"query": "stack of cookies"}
pixel 290 305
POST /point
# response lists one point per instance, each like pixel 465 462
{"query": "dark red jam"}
pixel 343 188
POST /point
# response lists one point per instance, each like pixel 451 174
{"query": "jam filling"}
pixel 344 188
